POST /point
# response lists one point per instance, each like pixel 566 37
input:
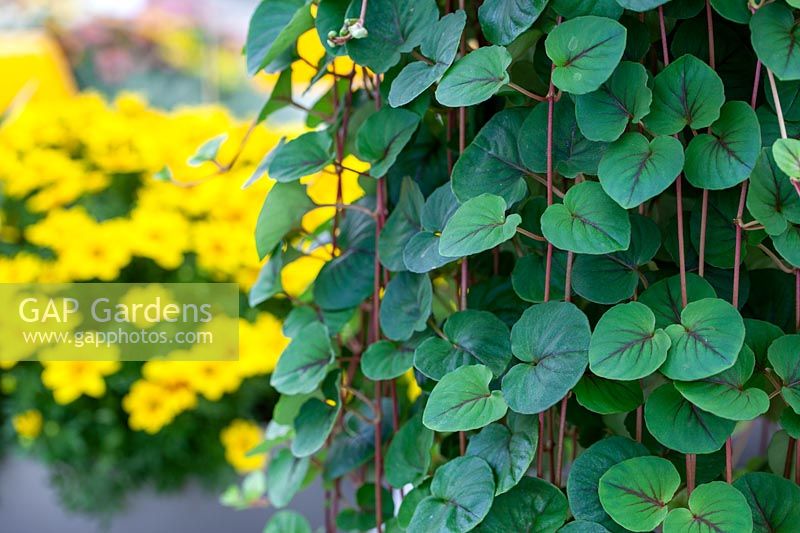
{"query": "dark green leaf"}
pixel 462 401
pixel 406 305
pixel 784 356
pixel 771 199
pixel 403 223
pixel 274 26
pixel 714 506
pixel 475 77
pixel 409 454
pixel 607 397
pixel 774 34
pixel 303 156
pixel 305 362
pixel 533 505
pixel 479 224
pixel 771 500
pixel 383 135
pixel 285 476
pixel 502 21
pixel 664 297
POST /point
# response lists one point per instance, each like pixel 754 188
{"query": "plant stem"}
pixel 787 463
pixel 540 448
pixel 691 463
pixel 526 92
pixel 568 278
pixel 530 235
pixel 728 460
pixel 561 426
pixel 777 101
pixel 704 202
pixel 775 259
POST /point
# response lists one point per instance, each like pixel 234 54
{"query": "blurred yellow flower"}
pixel 150 406
pixel 69 380
pixel 260 345
pixel 238 438
pixel 212 379
pixel 28 424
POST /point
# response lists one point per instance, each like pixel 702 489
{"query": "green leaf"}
pixel 395 27
pixel 492 162
pixel 303 156
pixel 509 450
pixel 406 305
pixel 586 471
pixel 285 476
pixel 733 11
pixel 362 517
pixel 479 224
pixel 475 77
pixel 706 342
pixel 771 198
pixel 582 526
pixel 790 422
pixel 607 397
pixel 585 51
pixel 759 335
pixel 411 501
pixel 640 6
pixel 206 152
pixel 727 155
pixel 421 252
pixel 686 93
pixel 713 507
pixel 502 21
pixel 287 522
pixel 611 278
pixel 634 170
pixel 635 492
pixel 275 26
pixel 440 46
pixel 528 276
pixel 723 207
pixel 626 344
pixel 604 114
pixel 588 222
pixel 462 401
pixel 409 456
pixel 664 297
pixel 774 34
pixel 572 153
pixel 552 341
pixel 681 426
pixel 389 360
pixel 403 223
pixel 771 499
pixel 454 505
pixel 787 156
pixel 316 418
pixel 724 394
pixel 533 505
pixel 305 362
pixel 354 446
pixel 788 244
pixel 784 357
pixel 472 337
pixel 569 9
pixel 383 135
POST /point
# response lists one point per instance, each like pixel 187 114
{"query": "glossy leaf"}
pixel 502 21
pixel 305 362
pixel 771 198
pixel 274 26
pixel 383 135
pixel 305 155
pixel 285 476
pixel 509 449
pixel 409 455
pixel 479 224
pixel 771 500
pixel 406 305
pixel 784 357
pixel 773 32
pixel 713 507
pixel 282 212
pixel 462 401
pixel 607 397
pixel 533 505
pixel 402 225
pixel 787 156
pixel 475 77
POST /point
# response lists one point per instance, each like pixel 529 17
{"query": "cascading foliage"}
pixel 580 240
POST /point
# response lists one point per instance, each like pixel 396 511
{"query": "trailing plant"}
pixel 581 241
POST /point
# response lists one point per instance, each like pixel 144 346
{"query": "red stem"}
pixel 691 463
pixel 540 448
pixel 787 463
pixel 568 278
pixel 728 460
pixel 701 253
pixel 561 426
pixel 639 424
pixel 551 445
pixel 797 299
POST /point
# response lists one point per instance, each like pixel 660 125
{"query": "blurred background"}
pixel 104 108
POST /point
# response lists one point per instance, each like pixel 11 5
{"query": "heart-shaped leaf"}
pixel 509 450
pixel 305 362
pixel 706 342
pixel 395 27
pixel 533 505
pixel 552 341
pixel 635 492
pixel 634 170
pixel 774 34
pixel 585 51
pixel 472 337
pixel 287 522
pixel 626 344
pixel 389 360
pixel 681 426
pixel 383 135
pixel 572 153
pixel 714 506
pixel 502 21
pixel 724 394
pixel 454 505
pixel 588 222
pixel 440 46
pixel 402 225
pixel 421 251
pixel 462 401
pixel 787 156
pixel 475 77
pixel 285 477
pixel 274 26
pixel 316 418
pixel 583 526
pixel 586 471
pixel 771 499
pixel 282 212
pixel 570 9
pixel 603 114
pixel 771 198
pixel 727 155
pixel 611 278
pixel 303 156
pixel 479 224
pixel 686 93
pixel 409 455
pixel 528 277
pixel 492 162
pixel 664 297
pixel 406 305
pixel 784 356
pixel 641 6
pixel 788 244
pixel 607 397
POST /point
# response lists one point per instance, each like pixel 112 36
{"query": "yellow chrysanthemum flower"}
pixel 28 424
pixel 69 380
pixel 149 406
pixel 238 438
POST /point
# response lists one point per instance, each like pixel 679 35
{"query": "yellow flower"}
pixel 151 406
pixel 69 380
pixel 238 438
pixel 300 273
pixel 213 379
pixel 28 424
pixel 175 378
pixel 160 235
pixel 260 345
pixel 323 187
pixel 413 391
